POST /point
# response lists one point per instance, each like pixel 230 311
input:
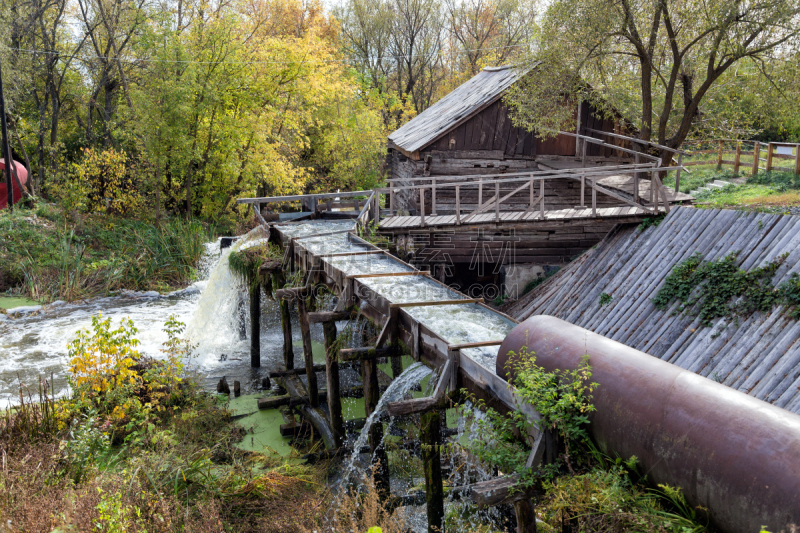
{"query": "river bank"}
pixel 48 257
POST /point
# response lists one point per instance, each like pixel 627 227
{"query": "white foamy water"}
pixel 36 345
pixel 214 325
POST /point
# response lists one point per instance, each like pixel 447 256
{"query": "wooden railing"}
pixel 729 152
pixel 532 184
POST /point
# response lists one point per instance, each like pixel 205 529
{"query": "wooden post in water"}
pixel 332 380
pixel 394 338
pixel 526 516
pixel 308 355
pixel 430 438
pixel 372 395
pixel 255 324
pixel 278 281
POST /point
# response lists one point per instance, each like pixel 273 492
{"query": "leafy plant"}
pixel 563 399
pixel 605 299
pixel 715 289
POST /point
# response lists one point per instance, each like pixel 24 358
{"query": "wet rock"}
pixel 237 389
pixel 222 387
pixel 151 294
pixel 265 383
pixel 57 303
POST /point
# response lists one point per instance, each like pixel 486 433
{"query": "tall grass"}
pixel 104 254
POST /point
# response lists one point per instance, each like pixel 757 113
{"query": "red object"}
pixel 22 174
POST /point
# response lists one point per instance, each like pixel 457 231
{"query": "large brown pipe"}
pixel 735 455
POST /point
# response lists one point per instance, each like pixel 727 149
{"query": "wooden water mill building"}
pixel 464 153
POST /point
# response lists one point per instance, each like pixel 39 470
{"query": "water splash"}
pixel 411 377
pixel 214 325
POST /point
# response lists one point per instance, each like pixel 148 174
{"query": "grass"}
pixel 45 257
pixel 772 192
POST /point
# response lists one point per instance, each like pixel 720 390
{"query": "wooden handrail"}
pixel 635 140
pixel 296 197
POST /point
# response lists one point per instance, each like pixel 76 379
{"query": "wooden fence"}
pixel 730 152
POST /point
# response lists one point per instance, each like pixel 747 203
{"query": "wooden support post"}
pixel 541 201
pixel 797 159
pixel 526 516
pixel 756 157
pixel 422 207
pixel 433 197
pixel 636 181
pixel 278 280
pixel 369 374
pixel 497 202
pixel 719 156
pixel 332 380
pixel 678 174
pixel 594 196
pixel 770 151
pixel 311 376
pixel 737 162
pixel 458 203
pixel 255 325
pixel 430 438
pixel 376 209
pixel 394 336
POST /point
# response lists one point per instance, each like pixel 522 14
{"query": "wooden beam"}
pixel 340 254
pixel 479 344
pixel 338 232
pixel 292 293
pixel 327 316
pixel 296 197
pixel 439 302
pixel 294 371
pixel 413 406
pixel 364 354
pixel 389 274
pixel 496 491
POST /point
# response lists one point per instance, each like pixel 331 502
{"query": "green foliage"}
pixel 608 500
pixel 538 281
pixel 605 299
pixel 113 383
pixel 562 398
pixel 246 263
pixel 715 289
pixel 651 222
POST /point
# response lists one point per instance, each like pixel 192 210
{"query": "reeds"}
pixel 33 419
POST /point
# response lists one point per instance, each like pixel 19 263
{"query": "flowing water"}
pixel 36 345
pixel 410 378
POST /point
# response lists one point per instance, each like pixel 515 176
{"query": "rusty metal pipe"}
pixel 735 455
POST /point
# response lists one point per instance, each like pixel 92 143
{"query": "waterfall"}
pixel 214 326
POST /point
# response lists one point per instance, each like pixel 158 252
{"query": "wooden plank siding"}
pixel 758 354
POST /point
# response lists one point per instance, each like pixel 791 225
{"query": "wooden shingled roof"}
pixel 452 110
pixel 758 355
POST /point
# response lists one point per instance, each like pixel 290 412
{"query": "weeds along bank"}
pixel 48 254
pixel 138 447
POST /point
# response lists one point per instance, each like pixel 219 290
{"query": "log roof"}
pixel 475 94
pixel 758 354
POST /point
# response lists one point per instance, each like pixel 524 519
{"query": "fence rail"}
pixel 729 152
pixel 527 188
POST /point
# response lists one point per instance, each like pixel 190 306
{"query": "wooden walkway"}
pixel 402 222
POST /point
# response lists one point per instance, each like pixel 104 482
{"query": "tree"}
pixel 490 31
pixel 654 61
